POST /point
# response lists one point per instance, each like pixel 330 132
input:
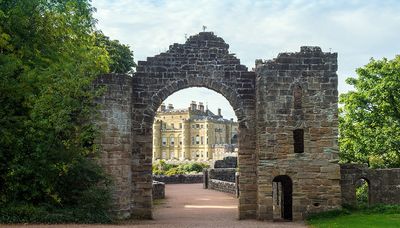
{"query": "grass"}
pixel 378 216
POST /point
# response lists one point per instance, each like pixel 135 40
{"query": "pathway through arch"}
pixel 189 205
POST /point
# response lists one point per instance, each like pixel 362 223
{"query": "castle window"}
pixel 172 126
pixel 192 140
pixel 202 140
pixel 297 94
pixel 180 126
pixel 197 139
pixel 171 140
pixel 197 125
pixel 164 141
pixel 298 138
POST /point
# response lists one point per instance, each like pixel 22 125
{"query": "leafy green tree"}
pixel 121 57
pixel 369 120
pixel 48 60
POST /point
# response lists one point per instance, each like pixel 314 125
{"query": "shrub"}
pixel 163 168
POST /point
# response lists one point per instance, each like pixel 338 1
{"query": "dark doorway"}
pixel 282 197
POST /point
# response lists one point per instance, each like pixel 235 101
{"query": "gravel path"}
pixel 189 205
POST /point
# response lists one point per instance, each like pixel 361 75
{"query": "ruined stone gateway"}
pixel 287 114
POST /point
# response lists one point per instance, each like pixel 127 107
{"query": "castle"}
pixel 194 133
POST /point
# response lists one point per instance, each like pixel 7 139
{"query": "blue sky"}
pixel 357 30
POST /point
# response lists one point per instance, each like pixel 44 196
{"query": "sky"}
pixel 357 30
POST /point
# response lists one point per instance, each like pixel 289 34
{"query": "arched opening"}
pixel 282 188
pixel 198 125
pixel 362 192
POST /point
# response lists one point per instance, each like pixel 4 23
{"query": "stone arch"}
pixel 203 61
pixel 358 184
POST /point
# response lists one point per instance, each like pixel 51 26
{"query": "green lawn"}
pixel 358 219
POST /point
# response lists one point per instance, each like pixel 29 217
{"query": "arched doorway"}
pixel 282 189
pixel 362 192
pixel 203 61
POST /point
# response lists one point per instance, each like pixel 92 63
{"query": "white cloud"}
pixel 357 30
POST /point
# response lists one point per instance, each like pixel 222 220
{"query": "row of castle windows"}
pixel 197 154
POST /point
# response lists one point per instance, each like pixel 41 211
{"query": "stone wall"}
pixel 287 115
pixel 226 162
pixel 298 91
pixel 115 139
pixel 158 190
pixel 222 174
pixel 180 179
pixel 384 184
pixel 222 186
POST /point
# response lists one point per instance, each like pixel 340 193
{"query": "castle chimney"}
pixel 193 106
pixel 219 112
pixel 162 107
pixel 170 106
pixel 201 106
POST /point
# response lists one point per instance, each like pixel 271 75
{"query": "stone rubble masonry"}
pixel 116 137
pixel 222 174
pixel 203 61
pixel 315 173
pixel 226 162
pixel 263 103
pixel 158 190
pixel 180 179
pixel 384 184
pixel 222 186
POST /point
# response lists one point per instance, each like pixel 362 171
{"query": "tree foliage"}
pixel 369 120
pixel 48 59
pixel 121 57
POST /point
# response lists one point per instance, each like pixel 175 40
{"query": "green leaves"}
pixel 369 121
pixel 121 57
pixel 48 60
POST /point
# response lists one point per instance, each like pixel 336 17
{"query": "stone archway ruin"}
pixel 263 101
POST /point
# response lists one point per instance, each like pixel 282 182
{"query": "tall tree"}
pixel 121 57
pixel 369 119
pixel 48 59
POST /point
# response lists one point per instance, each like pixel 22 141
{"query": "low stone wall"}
pixel 384 184
pixel 179 179
pixel 227 162
pixel 222 174
pixel 222 186
pixel 158 190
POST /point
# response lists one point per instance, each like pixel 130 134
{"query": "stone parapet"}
pixel 180 179
pixel 222 186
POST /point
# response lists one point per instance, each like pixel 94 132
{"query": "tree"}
pixel 369 120
pixel 48 60
pixel 121 57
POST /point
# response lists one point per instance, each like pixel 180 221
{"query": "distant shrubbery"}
pixel 161 167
